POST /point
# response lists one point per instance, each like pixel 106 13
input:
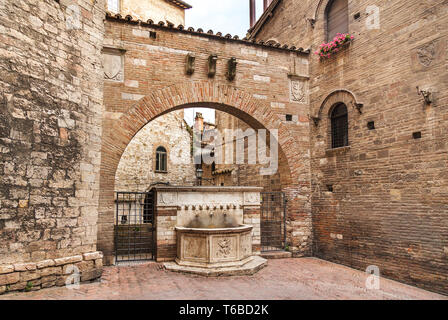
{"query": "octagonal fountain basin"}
pixel 214 247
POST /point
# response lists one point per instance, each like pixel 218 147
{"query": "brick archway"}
pixel 221 97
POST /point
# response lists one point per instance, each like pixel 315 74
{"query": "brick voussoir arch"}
pixel 227 98
pixel 339 95
pixel 175 97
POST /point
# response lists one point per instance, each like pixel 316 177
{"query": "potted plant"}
pixel 326 50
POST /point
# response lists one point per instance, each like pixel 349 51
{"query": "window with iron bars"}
pixel 339 126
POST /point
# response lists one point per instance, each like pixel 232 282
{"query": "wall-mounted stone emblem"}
pixel 231 69
pixel 224 247
pixel 299 91
pixel 190 65
pixel 113 64
pixel 426 54
pixel 167 198
pixel 252 198
pixel 212 59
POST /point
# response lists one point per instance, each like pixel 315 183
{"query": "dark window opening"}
pixel 161 160
pixel 289 117
pixel 152 34
pixel 417 135
pixel 339 126
pixel 371 125
pixel 330 187
pixel 337 18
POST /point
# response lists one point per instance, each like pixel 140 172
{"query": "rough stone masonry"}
pixel 50 137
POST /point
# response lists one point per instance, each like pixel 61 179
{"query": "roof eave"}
pixel 181 4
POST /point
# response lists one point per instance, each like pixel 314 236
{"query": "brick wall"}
pixel 389 203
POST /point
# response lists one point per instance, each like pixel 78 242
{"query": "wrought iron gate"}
pixel 273 221
pixel 134 226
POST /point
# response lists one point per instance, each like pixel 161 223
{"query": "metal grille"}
pixel 134 226
pixel 273 221
pixel 339 126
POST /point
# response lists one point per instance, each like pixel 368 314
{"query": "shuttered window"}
pixel 337 18
pixel 339 126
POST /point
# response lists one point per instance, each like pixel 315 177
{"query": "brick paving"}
pixel 285 279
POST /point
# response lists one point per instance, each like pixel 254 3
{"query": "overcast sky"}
pixel 226 16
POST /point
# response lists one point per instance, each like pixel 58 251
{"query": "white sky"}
pixel 226 16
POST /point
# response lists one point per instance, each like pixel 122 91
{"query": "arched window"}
pixel 339 126
pixel 337 18
pixel 161 160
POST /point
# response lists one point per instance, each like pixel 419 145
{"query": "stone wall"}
pixel 390 191
pixel 136 171
pixel 50 131
pixel 156 10
pixel 48 273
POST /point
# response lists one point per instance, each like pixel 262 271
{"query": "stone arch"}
pixel 223 97
pixel 335 97
pixel 319 22
pixel 319 13
pixel 339 95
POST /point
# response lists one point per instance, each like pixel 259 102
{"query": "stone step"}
pixel 250 268
pixel 276 255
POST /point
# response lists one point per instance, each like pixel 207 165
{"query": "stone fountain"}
pixel 211 231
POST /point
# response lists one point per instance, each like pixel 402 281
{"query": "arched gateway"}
pixel 194 94
pixel 269 91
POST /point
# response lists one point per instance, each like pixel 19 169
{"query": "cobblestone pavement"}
pixel 305 278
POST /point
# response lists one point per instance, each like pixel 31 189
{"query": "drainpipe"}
pixel 252 12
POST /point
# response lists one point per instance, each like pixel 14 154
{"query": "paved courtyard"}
pixel 286 279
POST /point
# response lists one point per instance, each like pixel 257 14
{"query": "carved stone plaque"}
pixel 224 247
pixel 113 64
pixel 426 54
pixel 167 198
pixel 299 91
pixel 252 198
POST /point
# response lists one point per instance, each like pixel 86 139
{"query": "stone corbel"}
pixel 315 120
pixel 231 69
pixel 427 95
pixel 190 65
pixel 312 22
pixel 212 59
pixel 358 107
